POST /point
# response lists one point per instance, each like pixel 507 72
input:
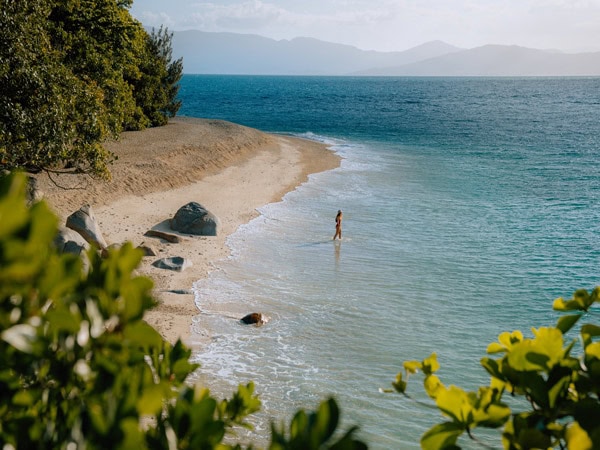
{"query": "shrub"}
pixel 561 391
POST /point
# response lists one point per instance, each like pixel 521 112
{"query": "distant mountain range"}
pixel 247 54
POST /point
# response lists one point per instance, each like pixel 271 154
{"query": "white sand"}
pixel 231 170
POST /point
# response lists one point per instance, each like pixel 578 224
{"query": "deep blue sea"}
pixel 469 204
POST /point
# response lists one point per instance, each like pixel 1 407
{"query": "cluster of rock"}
pixel 82 231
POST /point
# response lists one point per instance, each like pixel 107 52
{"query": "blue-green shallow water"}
pixel 469 205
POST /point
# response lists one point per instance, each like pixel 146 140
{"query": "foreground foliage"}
pixel 79 368
pixel 561 391
pixel 74 74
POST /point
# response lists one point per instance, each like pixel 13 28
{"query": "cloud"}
pixel 257 15
pixel 153 19
pixel 390 24
pixel 248 15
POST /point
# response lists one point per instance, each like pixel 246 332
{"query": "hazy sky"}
pixel 386 25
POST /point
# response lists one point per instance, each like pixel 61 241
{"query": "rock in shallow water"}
pixel 254 319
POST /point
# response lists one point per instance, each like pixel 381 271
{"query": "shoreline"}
pixel 230 169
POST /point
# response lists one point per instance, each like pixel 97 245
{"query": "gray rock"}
pixel 34 194
pixel 147 249
pixel 69 241
pixel 193 218
pixel 174 239
pixel 175 263
pixel 84 222
pixel 104 251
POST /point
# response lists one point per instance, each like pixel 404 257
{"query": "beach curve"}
pixel 230 169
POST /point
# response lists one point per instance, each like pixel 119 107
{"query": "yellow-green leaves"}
pixel 442 436
pixel 399 384
pixel 581 301
pixel 470 409
pixel 538 354
pixel 315 431
pixel 432 385
pixel 430 365
pixel 412 366
pixel 560 391
pixel 577 438
pixel 505 342
pixel 588 332
pixel 466 411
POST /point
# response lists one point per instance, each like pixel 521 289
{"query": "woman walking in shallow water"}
pixel 338 225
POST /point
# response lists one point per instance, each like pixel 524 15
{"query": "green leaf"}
pixel 494 416
pixel 13 214
pixel 532 438
pixel 495 347
pixel 588 331
pixel 441 436
pixel 577 438
pixel 63 321
pixel 540 353
pixel 133 436
pixel 432 385
pixel 453 402
pixel 561 304
pixel 399 385
pixel 558 390
pixel 493 367
pixel 151 400
pixel 535 385
pixel 141 334
pixel 326 421
pixel 593 350
pixel 508 339
pixel 505 342
pixel 23 398
pixel 98 416
pixel 412 366
pixel 182 368
pixel 591 330
pixel 565 323
pixel 581 301
pixel 430 365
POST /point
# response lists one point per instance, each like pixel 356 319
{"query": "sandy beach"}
pixel 230 169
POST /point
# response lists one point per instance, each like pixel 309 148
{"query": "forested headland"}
pixel 74 74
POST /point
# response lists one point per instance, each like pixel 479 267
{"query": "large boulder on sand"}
pixel 70 241
pixel 194 218
pixel 84 222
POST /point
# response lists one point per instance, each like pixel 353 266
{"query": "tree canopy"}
pixel 74 73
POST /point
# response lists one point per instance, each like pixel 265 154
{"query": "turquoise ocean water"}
pixel 469 205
